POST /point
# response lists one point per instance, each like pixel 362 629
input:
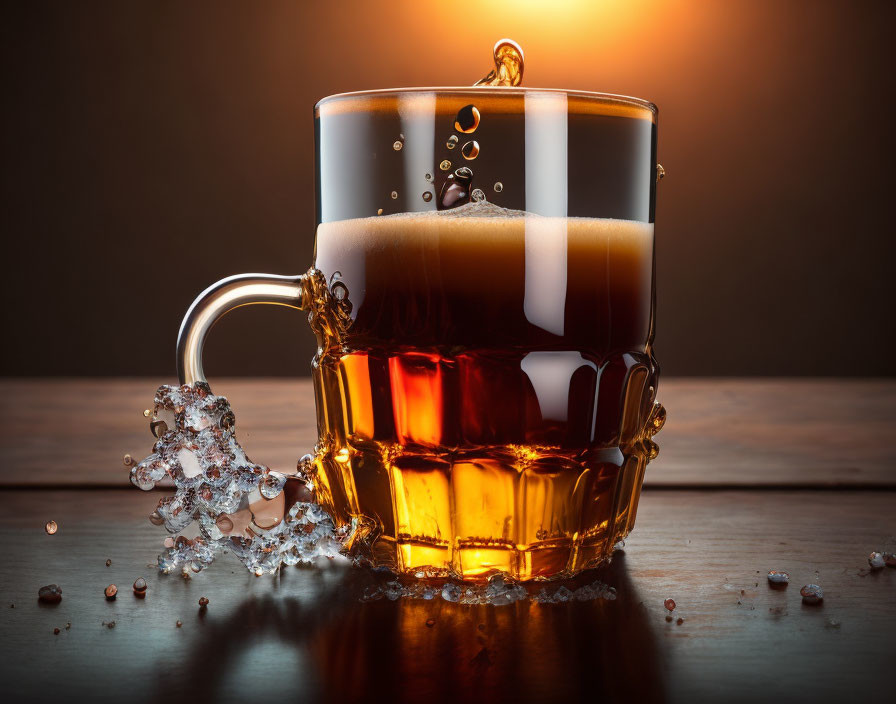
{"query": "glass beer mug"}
pixel 482 293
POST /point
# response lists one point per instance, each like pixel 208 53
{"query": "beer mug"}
pixel 482 293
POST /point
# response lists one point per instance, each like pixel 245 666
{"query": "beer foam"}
pixel 476 224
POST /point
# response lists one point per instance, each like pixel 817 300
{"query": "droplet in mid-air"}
pixel 427 196
pixel 51 527
pixel 394 195
pixel 128 461
pixel 509 64
pixel 445 165
pixel 470 150
pixel 452 142
pixel 427 177
pixel 379 211
pixel 499 187
pixel 467 119
pixel 397 145
pixel 660 172
pixel 477 195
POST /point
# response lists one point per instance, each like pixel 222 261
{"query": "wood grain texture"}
pixel 720 432
pixel 304 635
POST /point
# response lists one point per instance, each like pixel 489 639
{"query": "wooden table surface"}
pixel 753 475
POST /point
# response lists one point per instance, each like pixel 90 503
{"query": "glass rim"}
pixel 491 91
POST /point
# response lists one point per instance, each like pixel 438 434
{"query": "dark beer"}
pixel 489 400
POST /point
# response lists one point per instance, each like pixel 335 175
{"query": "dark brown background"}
pixel 150 148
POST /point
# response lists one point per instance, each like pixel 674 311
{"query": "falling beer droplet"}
pixel 51 527
pixel 467 119
pixel 397 145
pixel 427 196
pixel 452 142
pixel 660 173
pixel 394 195
pixel 509 64
pixel 499 187
pixel 445 165
pixel 470 150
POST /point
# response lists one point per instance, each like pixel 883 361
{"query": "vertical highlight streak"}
pixel 418 125
pixel 546 194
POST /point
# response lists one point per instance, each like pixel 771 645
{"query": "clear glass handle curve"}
pixel 222 297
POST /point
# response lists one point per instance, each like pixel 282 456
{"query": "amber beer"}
pixel 487 406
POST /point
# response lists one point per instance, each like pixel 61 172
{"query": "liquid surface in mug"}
pixel 485 408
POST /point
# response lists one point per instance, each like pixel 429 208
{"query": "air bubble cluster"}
pixel 267 519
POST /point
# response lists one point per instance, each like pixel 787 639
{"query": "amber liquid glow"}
pixel 485 409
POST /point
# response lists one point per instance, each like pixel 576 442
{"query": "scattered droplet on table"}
pixel 140 587
pixel 179 624
pixel 875 559
pixel 111 592
pixel 50 594
pixel 55 631
pixel 669 604
pixel 778 578
pixel 812 594
pixel 108 562
pixel 203 602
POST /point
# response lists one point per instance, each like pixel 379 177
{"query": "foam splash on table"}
pixel 266 518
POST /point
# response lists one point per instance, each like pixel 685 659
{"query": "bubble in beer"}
pixel 509 64
pixel 470 150
pixel 467 119
pixel 397 145
pixel 51 527
pixel 427 196
pixel 445 165
pixel 452 142
pixel 394 195
pixel 660 172
pixel 477 195
pixel 499 187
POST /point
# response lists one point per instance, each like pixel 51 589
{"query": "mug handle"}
pixel 221 298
